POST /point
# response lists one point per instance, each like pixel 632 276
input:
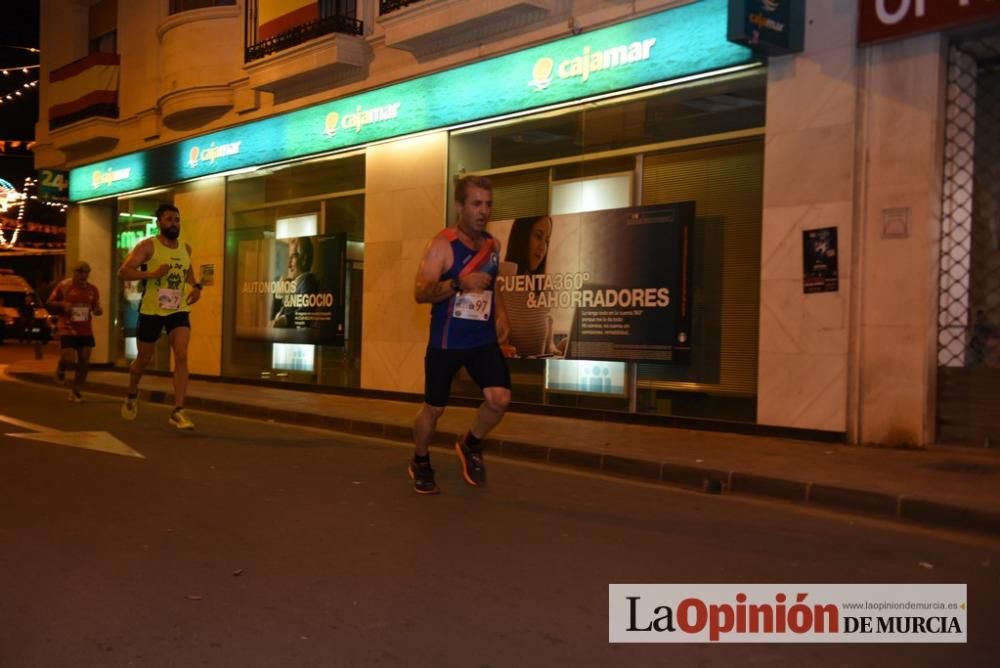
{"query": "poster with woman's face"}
pixel 602 285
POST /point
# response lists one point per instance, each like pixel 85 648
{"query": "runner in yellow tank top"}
pixel 163 263
pixel 166 295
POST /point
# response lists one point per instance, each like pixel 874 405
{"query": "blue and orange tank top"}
pixel 467 320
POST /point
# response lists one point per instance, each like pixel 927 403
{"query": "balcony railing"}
pixel 335 16
pixel 387 6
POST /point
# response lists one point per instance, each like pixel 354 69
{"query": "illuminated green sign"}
pixel 110 177
pixel 680 42
pixel 128 238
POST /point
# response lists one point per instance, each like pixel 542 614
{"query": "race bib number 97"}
pixel 473 305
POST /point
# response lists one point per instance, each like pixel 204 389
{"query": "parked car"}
pixel 31 323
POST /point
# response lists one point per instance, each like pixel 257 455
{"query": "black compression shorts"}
pixel 485 364
pixel 76 341
pixel 151 326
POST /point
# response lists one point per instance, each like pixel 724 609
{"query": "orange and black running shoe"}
pixel 473 466
pixel 422 476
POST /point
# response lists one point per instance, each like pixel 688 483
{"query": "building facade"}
pixel 795 222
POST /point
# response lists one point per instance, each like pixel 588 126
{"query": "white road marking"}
pixel 21 423
pixel 100 441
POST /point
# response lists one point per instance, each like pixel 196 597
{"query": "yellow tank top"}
pixel 167 294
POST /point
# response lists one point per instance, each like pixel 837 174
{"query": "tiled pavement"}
pixel 945 487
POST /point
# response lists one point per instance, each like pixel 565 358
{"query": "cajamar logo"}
pixel 359 118
pixel 542 74
pixel 198 155
pixel 589 63
pixel 109 176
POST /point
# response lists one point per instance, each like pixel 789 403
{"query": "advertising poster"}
pixel 604 285
pixel 291 290
pixel 819 250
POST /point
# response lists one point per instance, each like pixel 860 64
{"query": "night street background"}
pixel 250 543
pixel 18 28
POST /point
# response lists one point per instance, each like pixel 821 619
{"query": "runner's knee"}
pixel 141 360
pixel 498 399
pixel 433 412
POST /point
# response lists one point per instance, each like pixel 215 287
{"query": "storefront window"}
pixel 644 296
pixel 294 268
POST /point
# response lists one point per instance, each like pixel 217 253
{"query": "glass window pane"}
pixel 294 266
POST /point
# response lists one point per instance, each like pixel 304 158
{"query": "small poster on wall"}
pixel 819 255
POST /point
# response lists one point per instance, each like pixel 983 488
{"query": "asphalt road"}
pixel 248 543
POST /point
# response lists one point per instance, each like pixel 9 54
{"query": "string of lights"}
pixel 40 235
pixel 28 223
pixel 9 94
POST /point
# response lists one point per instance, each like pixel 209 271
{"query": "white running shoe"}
pixel 130 408
pixel 180 419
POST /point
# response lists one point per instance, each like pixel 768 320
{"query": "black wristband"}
pixel 456 285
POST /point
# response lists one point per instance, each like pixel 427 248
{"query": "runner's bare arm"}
pixel 428 286
pixel 195 293
pixel 130 271
pixel 97 303
pixel 54 302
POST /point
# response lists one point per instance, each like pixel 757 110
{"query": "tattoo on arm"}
pixel 428 287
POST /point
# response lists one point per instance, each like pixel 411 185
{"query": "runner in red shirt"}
pixel 77 301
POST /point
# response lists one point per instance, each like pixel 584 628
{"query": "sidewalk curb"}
pixel 713 481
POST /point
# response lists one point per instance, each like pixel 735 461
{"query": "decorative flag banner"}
pixel 84 88
pixel 278 16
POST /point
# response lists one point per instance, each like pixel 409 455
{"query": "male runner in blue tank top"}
pixel 456 276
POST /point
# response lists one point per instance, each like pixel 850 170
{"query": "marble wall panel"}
pixel 404 208
pixel 809 183
pixel 797 323
pixel 407 164
pixel 202 206
pixel 814 91
pixel 831 24
pixel 894 386
pixel 809 166
pixel 89 230
pixel 803 391
pixel 897 335
pixel 391 365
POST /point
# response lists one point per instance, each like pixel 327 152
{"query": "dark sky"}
pixel 18 27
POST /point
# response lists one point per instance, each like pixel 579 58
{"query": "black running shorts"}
pixel 485 364
pixel 151 326
pixel 76 341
